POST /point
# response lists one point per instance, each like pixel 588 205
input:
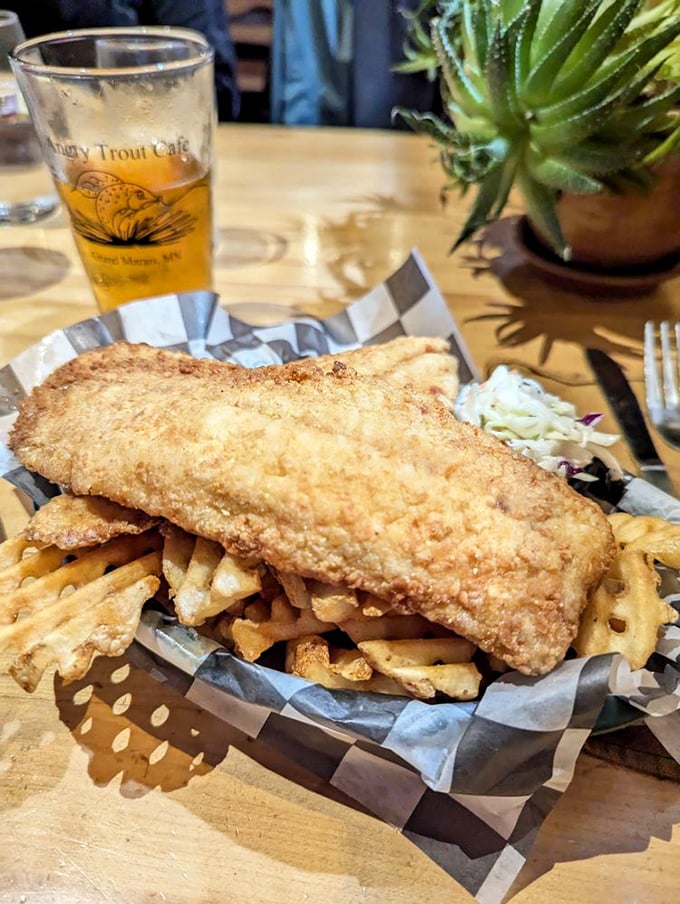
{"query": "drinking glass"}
pixel 26 190
pixel 126 117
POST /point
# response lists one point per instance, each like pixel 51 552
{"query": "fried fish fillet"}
pixel 73 522
pixel 420 363
pixel 331 475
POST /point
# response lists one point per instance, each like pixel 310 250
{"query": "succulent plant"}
pixel 549 96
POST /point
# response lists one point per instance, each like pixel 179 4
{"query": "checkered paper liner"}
pixel 468 783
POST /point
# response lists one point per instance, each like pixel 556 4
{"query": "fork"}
pixel 661 379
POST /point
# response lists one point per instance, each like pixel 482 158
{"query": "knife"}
pixel 626 408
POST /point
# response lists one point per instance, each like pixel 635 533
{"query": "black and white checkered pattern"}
pixel 470 784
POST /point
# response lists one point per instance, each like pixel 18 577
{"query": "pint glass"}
pixel 126 120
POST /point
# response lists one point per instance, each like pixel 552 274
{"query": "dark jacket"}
pixel 207 16
pixel 333 63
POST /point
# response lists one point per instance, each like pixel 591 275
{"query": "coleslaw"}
pixel 539 425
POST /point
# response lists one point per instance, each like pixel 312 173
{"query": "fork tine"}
pixel 652 387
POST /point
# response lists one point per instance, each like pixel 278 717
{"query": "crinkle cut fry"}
pixel 106 627
pixel 76 605
pixel 625 612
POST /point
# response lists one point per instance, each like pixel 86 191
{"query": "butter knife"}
pixel 626 408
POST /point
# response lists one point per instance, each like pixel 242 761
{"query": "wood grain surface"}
pixel 115 788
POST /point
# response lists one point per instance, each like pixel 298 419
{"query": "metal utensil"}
pixel 626 408
pixel 661 379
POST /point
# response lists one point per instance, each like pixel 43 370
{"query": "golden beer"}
pixel 126 119
pixel 142 222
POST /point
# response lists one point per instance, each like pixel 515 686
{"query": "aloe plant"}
pixel 549 96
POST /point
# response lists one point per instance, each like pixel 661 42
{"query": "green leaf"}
pixel 455 76
pixel 664 149
pixel 545 69
pixel 527 29
pixel 550 132
pixel 634 90
pixel 611 84
pixel 599 158
pixel 560 175
pixel 507 180
pixel 648 52
pixel 418 64
pixel 511 11
pixel 595 46
pixel 473 42
pixel 554 137
pixel 502 99
pixel 659 11
pixel 428 124
pixel 566 16
pixel 541 209
pixel 647 21
pixel 477 17
pixel 489 196
pixel 650 115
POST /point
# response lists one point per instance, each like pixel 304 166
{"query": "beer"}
pixel 142 222
pixel 126 121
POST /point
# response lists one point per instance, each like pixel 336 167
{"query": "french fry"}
pixel 52 577
pixel 62 609
pixel 90 605
pixel 374 607
pixel 624 613
pixel 331 603
pixel 425 666
pixel 106 626
pixel 389 627
pixel 193 601
pixel 203 579
pixel 295 589
pixel 388 654
pixel 15 549
pixel 233 581
pixel 459 680
pixel 310 657
pixel 30 566
pixel 178 546
pixel 284 622
pixel 660 543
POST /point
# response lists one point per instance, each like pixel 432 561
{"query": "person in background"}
pixel 207 16
pixel 333 63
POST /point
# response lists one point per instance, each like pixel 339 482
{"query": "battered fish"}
pixel 73 522
pixel 417 362
pixel 331 475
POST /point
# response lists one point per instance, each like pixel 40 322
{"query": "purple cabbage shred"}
pixel 590 419
pixel 570 469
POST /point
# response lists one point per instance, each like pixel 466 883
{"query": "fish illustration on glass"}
pixel 126 213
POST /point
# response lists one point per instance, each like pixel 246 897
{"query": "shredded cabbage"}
pixel 535 423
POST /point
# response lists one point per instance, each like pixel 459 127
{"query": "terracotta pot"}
pixel 625 230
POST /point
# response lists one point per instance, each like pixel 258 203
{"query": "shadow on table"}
pixel 26 270
pixel 543 310
pixel 646 808
pixel 153 737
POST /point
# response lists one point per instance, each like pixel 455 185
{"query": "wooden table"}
pixel 117 789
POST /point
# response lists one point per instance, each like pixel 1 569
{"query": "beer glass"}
pixel 126 118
